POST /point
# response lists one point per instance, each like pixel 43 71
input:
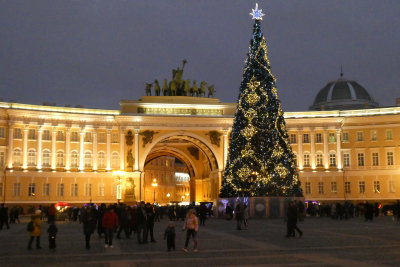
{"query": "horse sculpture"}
pixel 202 90
pixel 156 88
pixel 165 88
pixel 148 89
pixel 172 87
pixel 195 89
pixel 211 91
pixel 186 88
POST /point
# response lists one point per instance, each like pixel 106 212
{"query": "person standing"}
pixel 191 226
pixel 141 219
pixel 51 214
pixel 150 215
pixel 169 234
pixel 239 215
pixel 4 216
pixel 292 220
pixel 89 225
pixel 123 222
pixel 37 229
pixel 245 216
pixel 110 221
pixel 52 231
pixel 203 214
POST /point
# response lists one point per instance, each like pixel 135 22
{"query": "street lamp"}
pixel 118 174
pixel 168 195
pixel 154 185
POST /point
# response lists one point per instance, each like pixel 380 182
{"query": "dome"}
pixel 343 94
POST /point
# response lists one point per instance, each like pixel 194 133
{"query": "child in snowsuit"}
pixel 52 231
pixel 170 236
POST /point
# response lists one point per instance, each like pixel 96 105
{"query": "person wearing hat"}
pixel 37 229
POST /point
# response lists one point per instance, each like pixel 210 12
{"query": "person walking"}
pixel 239 215
pixel 123 222
pixel 110 221
pixel 191 226
pixel 37 229
pixel 89 225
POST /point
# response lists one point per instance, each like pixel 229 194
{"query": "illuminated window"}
pixel 32 134
pixel 293 139
pixel 332 138
pixel 346 160
pixel 17 157
pixel 320 188
pixel 390 158
pixel 16 189
pixel 377 187
pixel 101 190
pixel 115 138
pixel 88 159
pixel 360 159
pixel 2 158
pixel 374 135
pixel 375 159
pixel 320 160
pixel 31 157
pixel 308 188
pixel 392 187
pixel 361 186
pixel 345 137
pixel 46 158
pixel 74 190
pixel 101 160
pixel 60 136
pixel 46 190
pixel 60 159
pixel 306 138
pixel 17 133
pixel 31 190
pixel 295 159
pixel 347 187
pixel 88 137
pixel 102 137
pixel 2 132
pixel 74 136
pixel 74 159
pixel 46 135
pixel 115 160
pixel 389 135
pixel 306 160
pixel 332 160
pixel 333 187
pixel 60 190
pixel 360 136
pixel 318 138
pixel 88 190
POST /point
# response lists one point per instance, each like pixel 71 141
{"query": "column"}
pixel 108 154
pixel 300 148
pixel 10 145
pixel 67 149
pixel 81 147
pixel 94 164
pixel 122 149
pixel 53 148
pixel 338 150
pixel 137 130
pixel 312 149
pixel 25 148
pixel 326 152
pixel 226 141
pixel 39 148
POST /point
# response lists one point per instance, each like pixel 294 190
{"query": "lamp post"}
pixel 118 174
pixel 168 195
pixel 154 185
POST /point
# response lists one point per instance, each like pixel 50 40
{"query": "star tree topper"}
pixel 257 13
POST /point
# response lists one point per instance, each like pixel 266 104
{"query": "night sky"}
pixel 95 53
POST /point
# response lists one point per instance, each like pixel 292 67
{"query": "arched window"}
pixel 306 160
pixel 332 159
pixel 115 160
pixel 46 158
pixel 60 159
pixel 31 157
pixel 17 157
pixel 74 159
pixel 101 160
pixel 320 160
pixel 88 159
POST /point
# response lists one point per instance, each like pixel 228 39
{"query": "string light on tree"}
pixel 260 160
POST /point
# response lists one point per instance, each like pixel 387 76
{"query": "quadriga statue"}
pixel 165 88
pixel 203 88
pixel 156 88
pixel 186 87
pixel 195 89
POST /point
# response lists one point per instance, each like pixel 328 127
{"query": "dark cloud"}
pixel 98 52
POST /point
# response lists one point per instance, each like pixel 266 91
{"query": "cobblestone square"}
pixel 325 242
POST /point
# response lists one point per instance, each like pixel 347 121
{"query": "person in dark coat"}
pixel 4 216
pixel 141 222
pixel 52 231
pixel 100 215
pixel 239 215
pixel 203 213
pixel 292 220
pixel 51 214
pixel 169 234
pixel 123 222
pixel 150 215
pixel 89 225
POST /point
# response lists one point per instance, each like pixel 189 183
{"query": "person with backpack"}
pixel 35 229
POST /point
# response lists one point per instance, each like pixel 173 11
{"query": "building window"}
pixel 115 137
pixel 46 158
pixel 74 159
pixel 389 158
pixel 114 160
pixel 360 136
pixel 320 188
pixel 17 133
pixel 361 186
pixel 360 159
pixel 31 190
pixel 333 187
pixel 293 139
pixel 74 190
pixel 101 190
pixel 320 160
pixel 101 160
pixel 31 157
pixel 306 160
pixel 332 138
pixel 17 157
pixel 60 190
pixel 375 159
pixel 374 135
pixel 377 187
pixel 17 190
pixel 332 160
pixel 2 158
pixel 2 132
pixel 46 135
pixel 1 189
pixel 347 188
pixel 308 188
pixel 345 137
pixel 60 136
pixel 46 190
pixel 318 138
pixel 88 159
pixel 88 137
pixel 102 137
pixel 392 187
pixel 60 159
pixel 346 160
pixel 32 134
pixel 114 190
pixel 88 190
pixel 294 159
pixel 389 135
pixel 74 136
pixel 306 138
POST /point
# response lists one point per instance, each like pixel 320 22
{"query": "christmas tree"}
pixel 261 161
